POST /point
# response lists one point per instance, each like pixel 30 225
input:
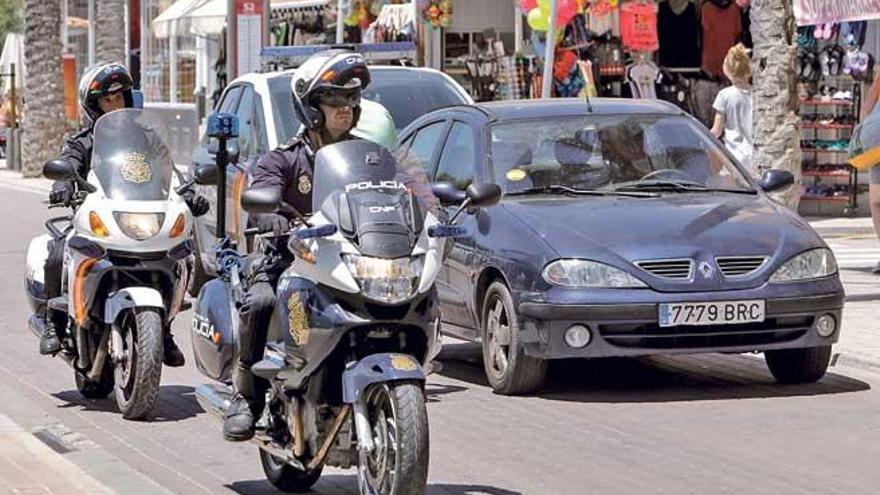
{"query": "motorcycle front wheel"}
pixel 398 421
pixel 139 371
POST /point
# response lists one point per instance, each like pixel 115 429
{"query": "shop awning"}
pixel 178 12
pixel 13 53
pixel 208 17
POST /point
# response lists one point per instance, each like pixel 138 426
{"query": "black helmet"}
pixel 329 70
pixel 103 80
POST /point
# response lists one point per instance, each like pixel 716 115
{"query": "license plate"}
pixel 711 313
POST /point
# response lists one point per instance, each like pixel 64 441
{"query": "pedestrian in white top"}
pixel 733 107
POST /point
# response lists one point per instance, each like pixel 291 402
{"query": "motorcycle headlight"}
pixel 592 274
pixel 816 263
pixel 388 281
pixel 139 226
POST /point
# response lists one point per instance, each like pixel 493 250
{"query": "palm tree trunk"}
pixel 43 123
pixel 774 69
pixel 110 31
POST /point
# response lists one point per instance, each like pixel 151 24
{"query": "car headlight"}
pixel 585 273
pixel 816 263
pixel 139 226
pixel 388 281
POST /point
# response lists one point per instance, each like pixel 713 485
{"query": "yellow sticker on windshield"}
pixel 136 169
pixel 516 174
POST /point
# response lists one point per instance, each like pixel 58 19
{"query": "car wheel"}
pixel 508 369
pixel 798 365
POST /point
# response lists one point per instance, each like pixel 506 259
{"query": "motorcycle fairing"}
pixel 333 314
pixel 214 339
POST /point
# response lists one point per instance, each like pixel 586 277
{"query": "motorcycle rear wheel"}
pixel 285 477
pixel 138 374
pixel 399 423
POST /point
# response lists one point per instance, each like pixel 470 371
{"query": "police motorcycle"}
pixel 355 326
pixel 125 262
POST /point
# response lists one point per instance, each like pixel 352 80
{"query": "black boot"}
pixel 239 424
pixel 173 356
pixel 50 344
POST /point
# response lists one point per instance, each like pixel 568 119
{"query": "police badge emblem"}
pixel 305 184
pixel 136 169
pixel 297 319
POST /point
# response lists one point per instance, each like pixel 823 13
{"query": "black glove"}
pixel 197 203
pixel 62 193
pixel 271 222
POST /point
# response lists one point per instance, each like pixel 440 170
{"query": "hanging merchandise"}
pixel 604 18
pixel 678 30
pixel 643 77
pixel 638 26
pixel 436 13
pixel 722 28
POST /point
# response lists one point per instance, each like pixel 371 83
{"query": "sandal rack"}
pixel 829 113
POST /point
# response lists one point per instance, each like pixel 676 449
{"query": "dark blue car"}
pixel 625 229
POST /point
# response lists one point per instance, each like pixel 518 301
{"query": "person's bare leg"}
pixel 874 199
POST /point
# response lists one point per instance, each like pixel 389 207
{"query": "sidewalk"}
pixel 27 465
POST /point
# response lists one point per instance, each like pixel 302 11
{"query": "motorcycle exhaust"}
pixel 98 365
pixel 213 399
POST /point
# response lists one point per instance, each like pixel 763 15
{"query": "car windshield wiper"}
pixel 557 189
pixel 676 186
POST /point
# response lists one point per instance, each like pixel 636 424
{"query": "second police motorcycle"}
pixel 356 322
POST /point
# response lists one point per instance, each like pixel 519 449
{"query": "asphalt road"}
pixel 701 424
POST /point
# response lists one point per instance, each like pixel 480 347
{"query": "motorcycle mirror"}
pixel 482 195
pixel 205 174
pixel 59 169
pixel 261 200
pixel 447 193
pixel 137 97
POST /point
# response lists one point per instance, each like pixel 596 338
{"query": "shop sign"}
pixel 811 12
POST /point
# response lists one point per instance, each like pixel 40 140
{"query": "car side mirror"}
pixel 264 200
pixel 447 193
pixel 205 174
pixel 59 169
pixel 484 194
pixel 775 180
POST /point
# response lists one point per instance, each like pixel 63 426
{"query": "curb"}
pixel 854 360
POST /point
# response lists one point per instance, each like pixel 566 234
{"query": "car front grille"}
pixel 739 266
pixel 653 336
pixel 672 269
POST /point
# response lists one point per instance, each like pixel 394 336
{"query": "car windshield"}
pixel 129 157
pixel 611 153
pixel 406 93
pixel 374 199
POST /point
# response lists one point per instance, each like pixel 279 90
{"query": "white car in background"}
pixel 264 105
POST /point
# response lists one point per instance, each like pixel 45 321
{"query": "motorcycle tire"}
pixel 96 389
pixel 285 477
pixel 402 405
pixel 138 374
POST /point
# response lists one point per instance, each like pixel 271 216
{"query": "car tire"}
pixel 508 369
pixel 198 277
pixel 798 365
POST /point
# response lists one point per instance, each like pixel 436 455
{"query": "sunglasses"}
pixel 348 99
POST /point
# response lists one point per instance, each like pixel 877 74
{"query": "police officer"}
pixel 103 88
pixel 326 96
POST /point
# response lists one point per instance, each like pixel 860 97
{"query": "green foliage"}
pixel 11 18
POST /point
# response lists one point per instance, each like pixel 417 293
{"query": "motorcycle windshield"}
pixel 377 203
pixel 129 157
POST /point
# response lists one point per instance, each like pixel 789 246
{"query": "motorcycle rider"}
pixel 103 88
pixel 326 96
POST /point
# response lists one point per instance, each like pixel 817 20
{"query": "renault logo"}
pixel 706 269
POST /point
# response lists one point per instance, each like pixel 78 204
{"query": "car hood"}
pixel 621 231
